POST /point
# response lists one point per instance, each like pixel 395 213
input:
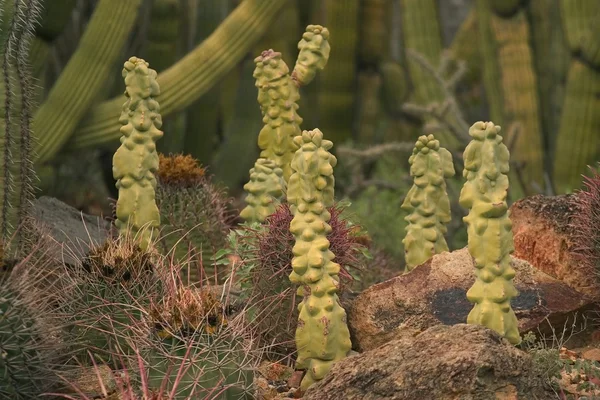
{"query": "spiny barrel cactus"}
pixel 322 336
pixel 265 190
pixel 278 94
pixel 136 161
pixel 427 202
pixel 489 229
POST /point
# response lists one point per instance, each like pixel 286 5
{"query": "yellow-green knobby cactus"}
pixel 265 191
pixel 278 95
pixel 489 228
pixel 135 162
pixel 322 335
pixel 427 202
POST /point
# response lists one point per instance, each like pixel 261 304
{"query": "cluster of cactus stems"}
pixel 17 93
pixel 427 202
pixel 322 335
pixel 278 94
pixel 136 161
pixel 489 228
pixel 266 190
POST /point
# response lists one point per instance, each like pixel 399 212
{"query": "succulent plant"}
pixel 489 229
pixel 427 202
pixel 265 191
pixel 322 335
pixel 135 163
pixel 278 94
pixel 195 214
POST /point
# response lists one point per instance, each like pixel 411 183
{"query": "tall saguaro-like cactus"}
pixel 278 94
pixel 489 229
pixel 136 162
pixel 322 335
pixel 427 201
pixel 18 20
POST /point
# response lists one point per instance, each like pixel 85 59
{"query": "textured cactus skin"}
pixel 489 229
pixel 577 141
pixel 136 161
pixel 510 80
pixel 427 202
pixel 322 335
pixel 265 191
pixel 278 95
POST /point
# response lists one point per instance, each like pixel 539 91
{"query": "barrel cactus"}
pixel 427 202
pixel 136 161
pixel 489 229
pixel 322 335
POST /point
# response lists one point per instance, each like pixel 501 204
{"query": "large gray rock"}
pixel 435 293
pixel 72 231
pixel 466 362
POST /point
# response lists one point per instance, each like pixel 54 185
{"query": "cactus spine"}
pixel 278 95
pixel 136 161
pixel 489 229
pixel 322 336
pixel 427 202
pixel 265 191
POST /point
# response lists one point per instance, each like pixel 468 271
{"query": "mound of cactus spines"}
pixel 115 283
pixel 585 224
pixel 195 213
pixel 32 352
pixel 490 241
pixel 427 202
pixel 197 351
pixel 135 162
pixel 322 335
pixel 273 295
pixel 278 95
pixel 265 189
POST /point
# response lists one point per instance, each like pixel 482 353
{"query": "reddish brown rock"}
pixel 435 293
pixel 442 363
pixel 544 237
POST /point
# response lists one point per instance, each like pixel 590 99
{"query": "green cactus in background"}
pixel 578 141
pixel 136 161
pixel 278 94
pixel 265 191
pixel 489 229
pixel 427 202
pixel 322 336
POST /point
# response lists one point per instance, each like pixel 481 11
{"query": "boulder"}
pixel 466 362
pixel 435 293
pixel 543 236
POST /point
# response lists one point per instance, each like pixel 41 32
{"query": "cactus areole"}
pixel 490 243
pixel 322 335
pixel 427 202
pixel 135 162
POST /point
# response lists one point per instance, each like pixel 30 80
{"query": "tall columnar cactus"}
pixel 322 336
pixel 18 20
pixel 489 229
pixel 278 94
pixel 265 191
pixel 427 202
pixel 136 161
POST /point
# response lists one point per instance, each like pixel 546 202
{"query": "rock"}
pixel 435 293
pixel 544 237
pixel 466 362
pixel 71 228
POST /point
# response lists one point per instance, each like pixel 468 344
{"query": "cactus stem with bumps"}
pixel 265 191
pixel 322 335
pixel 427 202
pixel 136 161
pixel 489 228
